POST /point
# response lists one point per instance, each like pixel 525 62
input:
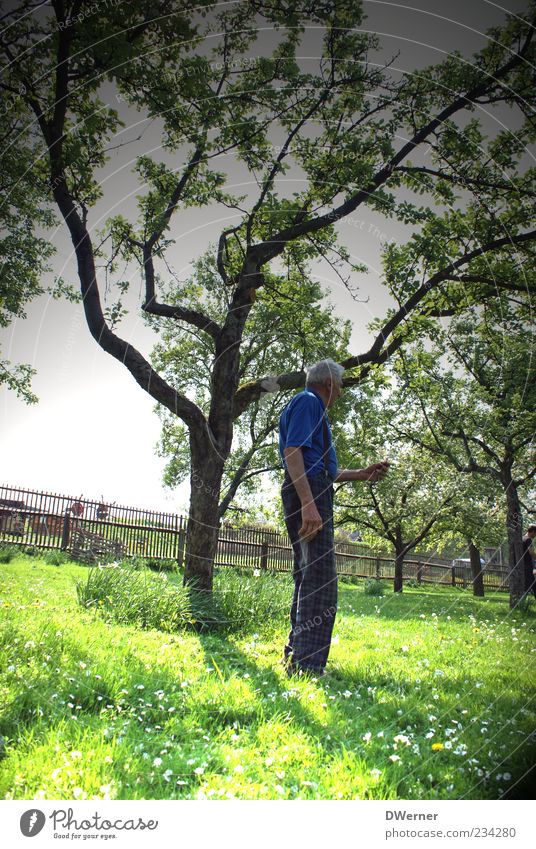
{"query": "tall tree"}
pixel 352 130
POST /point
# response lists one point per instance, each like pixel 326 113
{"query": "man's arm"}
pixel 372 473
pixel 311 518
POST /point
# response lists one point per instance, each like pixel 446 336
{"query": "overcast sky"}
pixel 94 430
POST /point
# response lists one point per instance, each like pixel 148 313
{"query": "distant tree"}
pixel 415 497
pixel 481 413
pixel 476 519
pixel 351 130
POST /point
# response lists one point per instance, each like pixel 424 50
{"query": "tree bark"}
pixel 204 519
pixel 476 569
pixel 515 543
pixel 400 552
pixel 210 446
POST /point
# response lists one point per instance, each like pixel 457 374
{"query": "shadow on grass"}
pixel 458 604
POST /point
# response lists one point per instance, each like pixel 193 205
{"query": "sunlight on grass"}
pixel 430 695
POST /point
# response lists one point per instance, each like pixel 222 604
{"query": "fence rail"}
pixel 93 530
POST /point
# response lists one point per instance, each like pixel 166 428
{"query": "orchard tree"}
pixel 476 519
pixel 290 327
pixel 481 413
pixel 424 498
pixel 414 498
pixel 350 131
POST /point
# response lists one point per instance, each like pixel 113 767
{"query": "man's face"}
pixel 334 390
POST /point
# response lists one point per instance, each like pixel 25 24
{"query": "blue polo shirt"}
pixel 300 426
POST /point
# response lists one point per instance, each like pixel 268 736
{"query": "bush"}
pixel 374 587
pixel 135 562
pixel 349 579
pixel 8 553
pixel 525 603
pixel 57 558
pixel 166 565
pixel 135 596
pixel 139 596
pixel 243 603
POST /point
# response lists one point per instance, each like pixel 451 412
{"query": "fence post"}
pixel 65 533
pixel 453 575
pixel 264 555
pixel 419 571
pixel 181 547
pixel 378 569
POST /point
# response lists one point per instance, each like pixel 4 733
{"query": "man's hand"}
pixel 373 473
pixel 311 521
pixel 377 471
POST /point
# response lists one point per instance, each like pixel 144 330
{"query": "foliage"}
pixel 56 558
pixel 415 498
pixel 8 553
pixel 31 551
pixel 99 710
pixel 215 90
pixel 373 587
pixel 133 594
pixel 480 408
pixel 289 328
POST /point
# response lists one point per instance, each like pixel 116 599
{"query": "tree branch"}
pixel 153 307
pixel 267 250
pixel 463 180
pixel 240 475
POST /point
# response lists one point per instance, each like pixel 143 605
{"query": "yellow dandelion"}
pixel 436 747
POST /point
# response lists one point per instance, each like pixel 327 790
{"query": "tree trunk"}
pixel 210 447
pixel 203 519
pixel 400 552
pixel 515 544
pixel 476 569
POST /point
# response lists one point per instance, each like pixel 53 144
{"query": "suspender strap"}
pixel 325 436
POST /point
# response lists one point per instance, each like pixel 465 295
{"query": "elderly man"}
pixel 310 462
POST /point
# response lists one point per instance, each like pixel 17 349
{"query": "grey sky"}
pixel 94 430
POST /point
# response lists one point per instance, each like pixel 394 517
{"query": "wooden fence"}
pixel 93 530
pixel 50 521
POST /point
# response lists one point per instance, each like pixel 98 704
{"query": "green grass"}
pixel 94 708
pixel 128 594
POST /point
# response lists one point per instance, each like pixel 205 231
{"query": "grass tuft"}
pixel 374 587
pixel 8 553
pixel 131 594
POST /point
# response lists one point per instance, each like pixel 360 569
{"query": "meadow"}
pixel 114 686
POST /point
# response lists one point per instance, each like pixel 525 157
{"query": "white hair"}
pixel 320 372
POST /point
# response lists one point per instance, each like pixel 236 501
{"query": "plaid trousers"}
pixel 314 603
